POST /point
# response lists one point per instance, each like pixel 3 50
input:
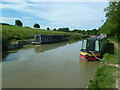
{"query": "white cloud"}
pixel 76 16
pixel 27 18
pixel 58 0
pixel 7 19
pixel 61 14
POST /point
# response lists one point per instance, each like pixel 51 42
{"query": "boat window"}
pixel 37 37
pixel 97 45
pixel 91 45
pixel 84 44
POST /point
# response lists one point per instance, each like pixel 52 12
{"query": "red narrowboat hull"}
pixel 90 58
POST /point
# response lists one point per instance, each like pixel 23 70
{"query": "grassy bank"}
pixel 105 76
pixel 16 32
pixel 12 33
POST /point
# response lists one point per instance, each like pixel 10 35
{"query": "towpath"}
pixel 117 46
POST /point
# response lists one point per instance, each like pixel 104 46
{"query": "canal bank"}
pixel 39 39
pixel 47 66
pixel 13 33
pixel 106 75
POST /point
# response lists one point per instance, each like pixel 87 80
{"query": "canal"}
pixel 47 66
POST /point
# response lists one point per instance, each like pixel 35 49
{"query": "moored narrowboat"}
pixel 43 39
pixel 93 48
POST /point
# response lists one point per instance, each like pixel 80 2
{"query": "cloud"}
pixel 73 15
pixel 58 0
pixel 27 18
pixel 7 19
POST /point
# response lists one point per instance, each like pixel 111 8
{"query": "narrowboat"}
pixel 93 48
pixel 40 39
pixel 37 40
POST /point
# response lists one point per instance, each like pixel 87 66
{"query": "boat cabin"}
pixel 93 45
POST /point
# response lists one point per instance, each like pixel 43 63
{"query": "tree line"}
pixel 36 25
pixel 19 23
pixel 88 32
pixel 112 25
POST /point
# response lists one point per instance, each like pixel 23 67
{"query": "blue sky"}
pixel 74 15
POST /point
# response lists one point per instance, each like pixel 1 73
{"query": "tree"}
pixel 54 29
pixel 36 25
pixel 48 28
pixel 27 26
pixel 18 23
pixel 64 29
pixel 111 26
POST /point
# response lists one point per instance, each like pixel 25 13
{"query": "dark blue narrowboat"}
pixel 93 48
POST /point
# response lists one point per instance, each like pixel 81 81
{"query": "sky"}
pixel 74 15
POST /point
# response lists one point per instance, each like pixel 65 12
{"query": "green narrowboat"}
pixel 93 48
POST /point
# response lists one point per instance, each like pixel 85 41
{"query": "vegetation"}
pixel 48 28
pixel 111 54
pixel 105 76
pixel 36 25
pixel 18 23
pixel 63 29
pixel 92 32
pixel 4 24
pixel 12 33
pixel 111 26
pixel 54 29
pixel 87 32
pixel 75 36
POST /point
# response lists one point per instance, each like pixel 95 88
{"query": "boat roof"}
pixel 95 38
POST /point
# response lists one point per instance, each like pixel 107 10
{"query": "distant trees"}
pixel 18 23
pixel 27 26
pixel 4 24
pixel 87 32
pixel 48 28
pixel 63 29
pixel 91 32
pixel 77 31
pixel 36 25
pixel 54 29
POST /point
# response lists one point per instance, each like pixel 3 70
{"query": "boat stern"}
pixel 89 56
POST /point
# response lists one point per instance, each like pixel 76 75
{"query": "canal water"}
pixel 47 66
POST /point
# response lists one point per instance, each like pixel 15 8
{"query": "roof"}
pixel 95 38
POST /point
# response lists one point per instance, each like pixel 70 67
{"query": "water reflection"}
pixel 7 55
pixel 88 65
pixel 57 68
pixel 46 47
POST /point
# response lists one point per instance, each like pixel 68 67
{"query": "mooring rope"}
pixel 115 65
pixel 97 57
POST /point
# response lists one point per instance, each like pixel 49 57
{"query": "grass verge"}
pixel 105 76
pixel 13 33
